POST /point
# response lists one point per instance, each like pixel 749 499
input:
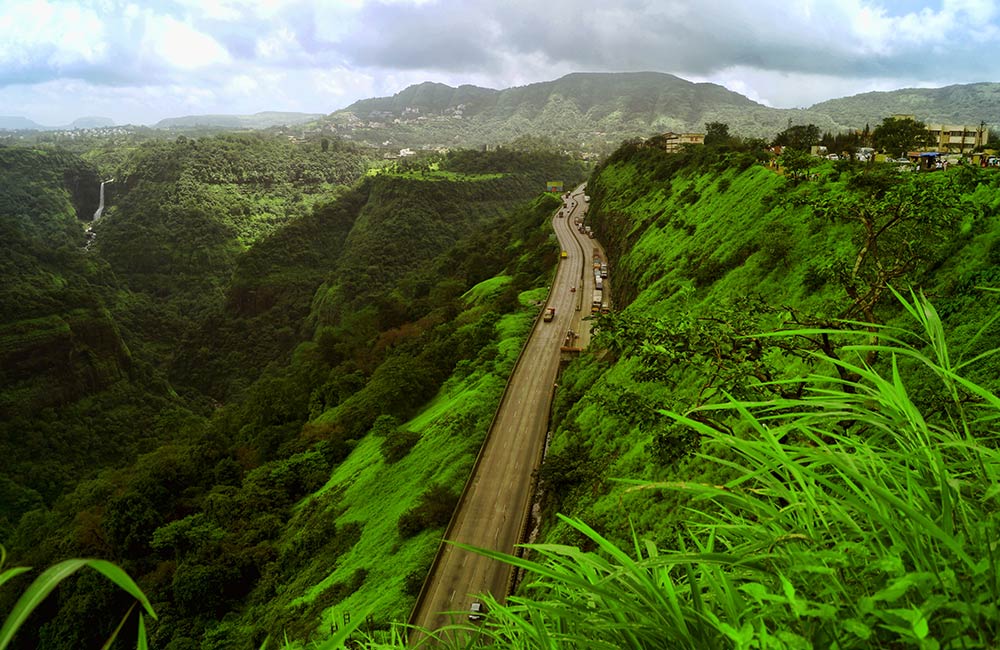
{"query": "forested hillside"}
pixel 709 249
pixel 312 368
pixel 580 111
pixel 967 104
pixel 785 537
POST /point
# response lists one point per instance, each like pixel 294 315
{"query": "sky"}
pixel 139 62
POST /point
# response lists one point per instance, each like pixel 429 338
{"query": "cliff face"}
pixel 84 187
pixel 58 359
pixel 57 341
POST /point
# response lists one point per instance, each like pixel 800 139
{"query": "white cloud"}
pixel 39 32
pixel 319 55
pixel 179 45
pixel 279 45
pixel 242 85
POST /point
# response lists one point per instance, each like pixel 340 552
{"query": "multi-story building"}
pixel 958 138
pixel 955 138
pixel 672 142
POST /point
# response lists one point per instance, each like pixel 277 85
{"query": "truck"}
pixel 550 313
pixel 595 305
pixel 604 269
pixel 600 283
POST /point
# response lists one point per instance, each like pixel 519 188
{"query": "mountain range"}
pixel 591 111
pixel 18 123
pixel 598 110
pixel 262 120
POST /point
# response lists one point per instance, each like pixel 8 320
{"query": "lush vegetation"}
pixel 295 346
pixel 580 111
pixel 768 445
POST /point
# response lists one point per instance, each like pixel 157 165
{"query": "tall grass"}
pixel 855 517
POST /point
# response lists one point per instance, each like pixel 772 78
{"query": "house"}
pixel 672 142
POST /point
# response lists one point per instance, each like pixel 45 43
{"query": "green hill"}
pixel 593 111
pixel 967 104
pixel 709 252
pixel 262 120
pixel 297 361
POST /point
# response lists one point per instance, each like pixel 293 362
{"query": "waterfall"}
pixel 100 206
pixel 97 215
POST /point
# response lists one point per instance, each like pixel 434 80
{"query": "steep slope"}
pixel 59 342
pixel 186 216
pixel 710 249
pixel 322 485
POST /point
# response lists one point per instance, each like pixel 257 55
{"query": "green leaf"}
pixel 857 628
pixel 13 573
pixel 50 579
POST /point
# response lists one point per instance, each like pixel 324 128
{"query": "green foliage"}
pixel 258 518
pixel 434 511
pixel 898 136
pixel 796 162
pixel 800 137
pixel 844 517
pixel 45 583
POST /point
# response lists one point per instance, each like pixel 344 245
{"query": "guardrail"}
pixel 475 466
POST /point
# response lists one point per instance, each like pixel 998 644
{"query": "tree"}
pixel 716 133
pixel 896 136
pixel 795 162
pixel 800 136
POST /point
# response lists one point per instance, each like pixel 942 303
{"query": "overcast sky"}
pixel 138 62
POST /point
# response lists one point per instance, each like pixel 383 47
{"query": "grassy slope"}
pixel 689 256
pixel 370 575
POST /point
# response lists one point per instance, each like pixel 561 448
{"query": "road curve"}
pixel 498 495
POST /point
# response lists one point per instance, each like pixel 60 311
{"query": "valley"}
pixel 299 391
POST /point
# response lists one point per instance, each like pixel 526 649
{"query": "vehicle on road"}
pixel 572 289
pixel 550 313
pixel 564 255
pixel 477 611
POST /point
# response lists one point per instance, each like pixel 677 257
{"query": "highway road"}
pixel 497 499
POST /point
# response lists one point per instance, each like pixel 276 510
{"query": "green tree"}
pixel 795 162
pixel 896 136
pixel 799 136
pixel 716 133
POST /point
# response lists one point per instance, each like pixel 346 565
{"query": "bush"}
pixel 434 511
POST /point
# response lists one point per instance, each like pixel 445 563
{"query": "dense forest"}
pixel 782 436
pixel 257 337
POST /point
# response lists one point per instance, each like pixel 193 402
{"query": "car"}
pixel 477 611
pixel 572 289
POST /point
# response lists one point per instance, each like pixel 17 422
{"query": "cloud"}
pixel 43 40
pixel 229 55
pixel 177 45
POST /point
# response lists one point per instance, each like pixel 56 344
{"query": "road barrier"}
pixel 475 466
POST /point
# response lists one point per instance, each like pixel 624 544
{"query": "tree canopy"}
pixel 896 136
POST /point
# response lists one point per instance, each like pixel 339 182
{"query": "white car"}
pixel 477 611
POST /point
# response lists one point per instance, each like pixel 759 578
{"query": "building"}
pixel 953 138
pixel 958 138
pixel 672 142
